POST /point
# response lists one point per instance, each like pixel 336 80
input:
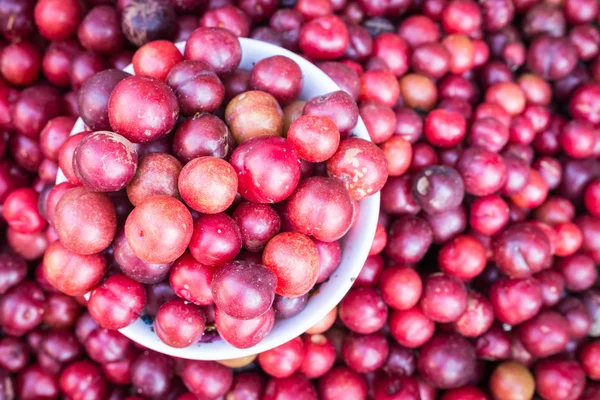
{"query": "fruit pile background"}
pixel 482 279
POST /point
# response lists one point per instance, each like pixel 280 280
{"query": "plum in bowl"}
pixel 355 244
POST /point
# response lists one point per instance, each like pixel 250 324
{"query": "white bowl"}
pixel 355 245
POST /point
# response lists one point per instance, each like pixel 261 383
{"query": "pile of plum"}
pixel 210 200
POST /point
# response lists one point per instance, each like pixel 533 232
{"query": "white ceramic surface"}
pixel 355 245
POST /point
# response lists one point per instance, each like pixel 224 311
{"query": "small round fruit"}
pixel 268 169
pixel 295 260
pixel 254 113
pixel 179 323
pixel 321 207
pixel 118 302
pixel 243 290
pixel 208 184
pixel 142 109
pixel 360 165
pixel 105 161
pixel 85 221
pixel 159 229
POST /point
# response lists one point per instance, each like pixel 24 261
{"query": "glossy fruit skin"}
pixel 293 387
pixel 452 124
pixel 559 379
pixel 21 212
pixel 258 223
pixel 365 353
pixel 279 76
pixel 65 157
pixel 156 59
pixel 409 240
pixel 134 267
pixel 315 138
pixel 397 387
pixel 104 345
pixel 345 77
pixel 72 273
pixel 206 378
pixel 34 107
pixel 118 302
pixel 541 61
pixel 342 381
pixel 21 63
pixel 105 161
pixel 444 298
pixel 439 359
pixel 545 334
pixel 294 259
pixel 54 134
pixel 197 86
pixel 588 357
pixel 15 354
pixel 320 199
pixel 324 38
pixel 411 328
pixel 400 287
pixel 592 197
pixel 319 356
pixel 534 254
pixel 146 235
pixel 21 308
pixel 100 31
pixel 488 133
pixel 515 300
pixel 216 239
pixel 438 189
pixel 225 51
pixel 56 20
pixel 202 135
pixel 191 280
pixel 229 16
pixel 363 310
pixel 58 349
pixel 35 381
pixel 248 385
pixel 142 120
pixel 360 166
pixel 483 172
pixel 463 257
pixel 512 380
pixel 552 284
pixel 156 174
pixel 93 97
pixel 83 371
pixel 518 175
pixel 13 270
pixel 338 105
pixel 287 307
pixel 243 290
pixel 252 114
pixel 258 160
pixel 381 86
pixel 284 360
pixel 30 246
pixel 244 333
pixel 477 318
pixel 179 323
pixel 219 188
pixel 577 272
pixel 85 221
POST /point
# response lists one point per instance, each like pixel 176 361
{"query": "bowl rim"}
pixel 336 286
